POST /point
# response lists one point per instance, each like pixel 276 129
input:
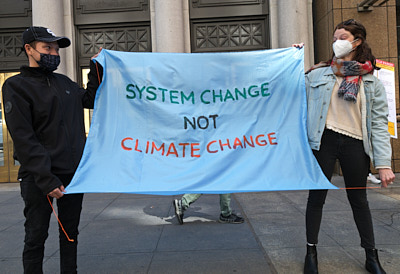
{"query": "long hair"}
pixel 363 52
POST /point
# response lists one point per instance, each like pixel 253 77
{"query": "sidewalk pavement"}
pixel 128 233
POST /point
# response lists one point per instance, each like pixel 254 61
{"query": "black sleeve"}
pixel 94 76
pixel 33 157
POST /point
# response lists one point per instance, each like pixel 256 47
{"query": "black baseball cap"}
pixel 43 35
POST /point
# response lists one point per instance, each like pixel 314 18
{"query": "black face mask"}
pixel 48 62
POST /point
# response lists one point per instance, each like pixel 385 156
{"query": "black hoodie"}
pixel 44 115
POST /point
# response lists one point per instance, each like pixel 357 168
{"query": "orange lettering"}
pixel 208 147
pixel 270 138
pixel 261 142
pixel 194 149
pixel 123 143
pixel 237 143
pixel 170 148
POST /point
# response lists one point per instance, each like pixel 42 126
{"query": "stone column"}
pixel 274 28
pixel 293 25
pixel 69 31
pixel 170 25
pixel 57 16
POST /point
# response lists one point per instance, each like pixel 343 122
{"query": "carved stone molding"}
pixel 95 6
pixel 15 8
pixel 11 54
pixel 10 45
pixel 227 8
pixel 15 14
pixel 217 3
pixel 229 35
pixel 115 11
pixel 131 39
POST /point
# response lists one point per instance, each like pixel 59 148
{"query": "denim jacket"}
pixel 376 138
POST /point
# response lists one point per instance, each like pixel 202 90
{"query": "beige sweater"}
pixel 343 116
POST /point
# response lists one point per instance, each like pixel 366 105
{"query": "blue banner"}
pixel 173 123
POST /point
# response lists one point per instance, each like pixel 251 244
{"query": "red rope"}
pixel 98 74
pixel 360 187
pixel 55 214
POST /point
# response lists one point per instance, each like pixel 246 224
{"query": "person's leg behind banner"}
pixel 181 205
pixel 226 215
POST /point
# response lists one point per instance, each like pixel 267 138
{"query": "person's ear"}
pixel 28 48
pixel 358 42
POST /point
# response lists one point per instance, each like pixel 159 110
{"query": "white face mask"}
pixel 342 48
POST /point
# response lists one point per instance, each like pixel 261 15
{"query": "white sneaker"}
pixel 373 179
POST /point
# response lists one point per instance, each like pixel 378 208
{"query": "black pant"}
pixel 37 213
pixel 354 163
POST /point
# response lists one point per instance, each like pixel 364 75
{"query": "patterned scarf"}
pixel 351 71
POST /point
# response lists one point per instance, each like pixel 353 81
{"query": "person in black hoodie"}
pixel 44 115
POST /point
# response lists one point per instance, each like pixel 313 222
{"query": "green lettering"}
pixel 140 91
pixel 201 97
pixel 264 89
pixel 163 93
pixel 172 96
pixel 129 90
pixel 217 96
pixel 151 90
pixel 183 97
pixel 256 92
pixel 237 91
pixel 228 95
